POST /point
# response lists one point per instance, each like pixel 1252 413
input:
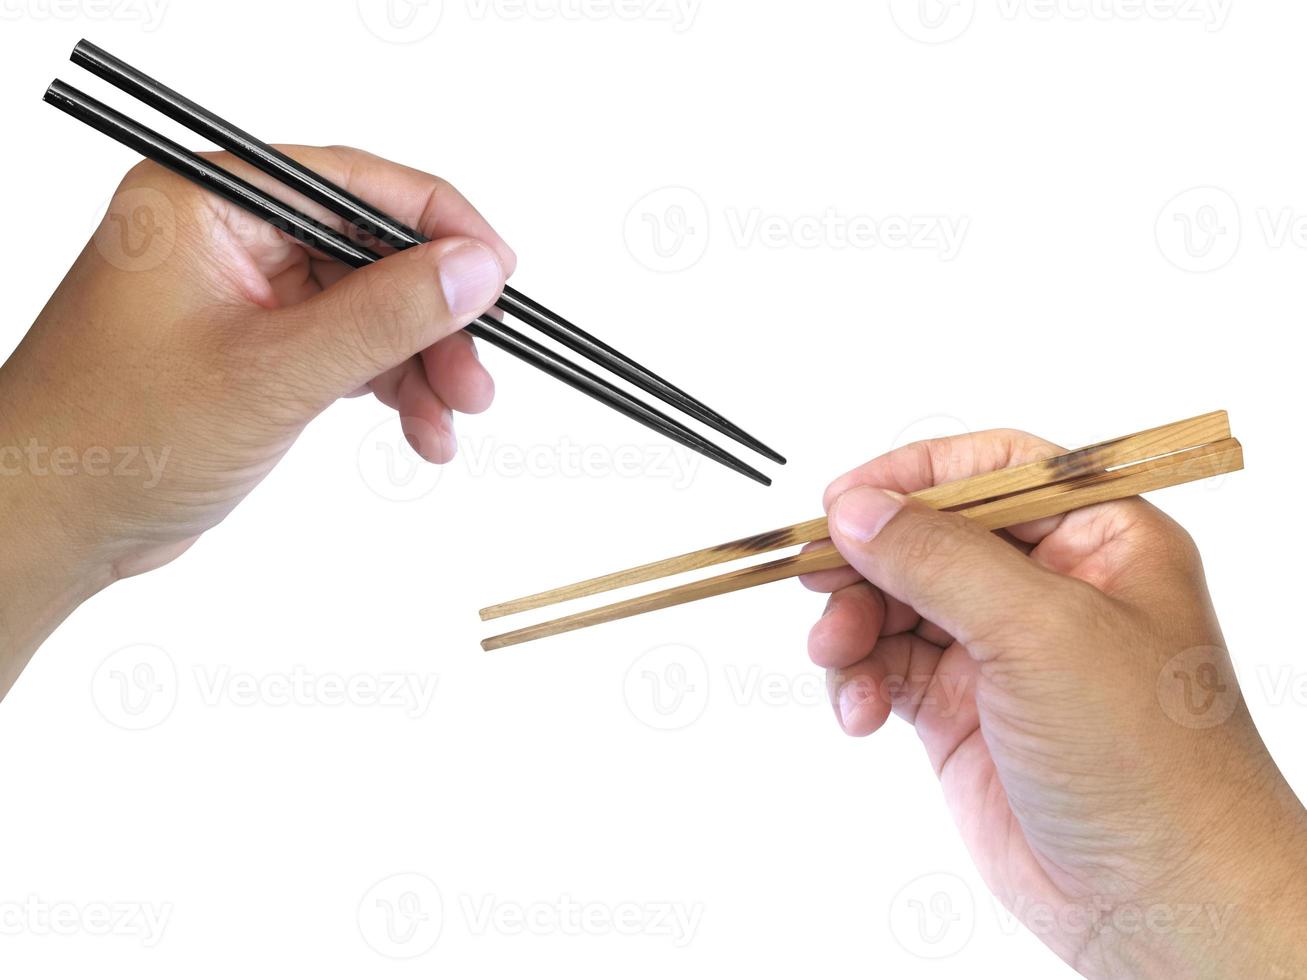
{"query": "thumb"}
pixel 379 316
pixel 979 589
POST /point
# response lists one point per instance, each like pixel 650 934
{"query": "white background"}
pixel 1064 139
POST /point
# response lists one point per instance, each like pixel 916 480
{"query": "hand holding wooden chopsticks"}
pixel 1182 452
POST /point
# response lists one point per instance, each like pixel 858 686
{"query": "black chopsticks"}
pixel 372 222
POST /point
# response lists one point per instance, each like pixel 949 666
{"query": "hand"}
pixel 1072 689
pixel 189 346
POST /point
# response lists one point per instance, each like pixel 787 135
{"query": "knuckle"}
pixel 1180 543
pixel 149 175
pixel 1167 542
pixel 439 193
pixel 346 158
pixel 141 173
pixel 441 188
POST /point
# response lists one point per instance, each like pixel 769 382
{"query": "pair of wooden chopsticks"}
pixel 1173 454
pixel 373 222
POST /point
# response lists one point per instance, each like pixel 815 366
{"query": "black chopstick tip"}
pixel 742 437
pixel 762 449
pixel 719 455
pixel 749 471
pixel 716 454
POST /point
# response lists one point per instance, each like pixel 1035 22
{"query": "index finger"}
pixel 427 203
pixel 935 461
pixel 932 462
pixel 929 463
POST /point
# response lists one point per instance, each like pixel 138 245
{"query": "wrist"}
pixel 1237 908
pixel 1268 891
pixel 47 572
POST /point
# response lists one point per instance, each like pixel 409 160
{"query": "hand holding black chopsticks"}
pixel 370 222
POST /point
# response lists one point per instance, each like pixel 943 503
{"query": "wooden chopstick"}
pixel 1198 431
pixel 1035 503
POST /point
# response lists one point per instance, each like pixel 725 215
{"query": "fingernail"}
pixel 851 698
pixel 471 278
pixel 862 512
